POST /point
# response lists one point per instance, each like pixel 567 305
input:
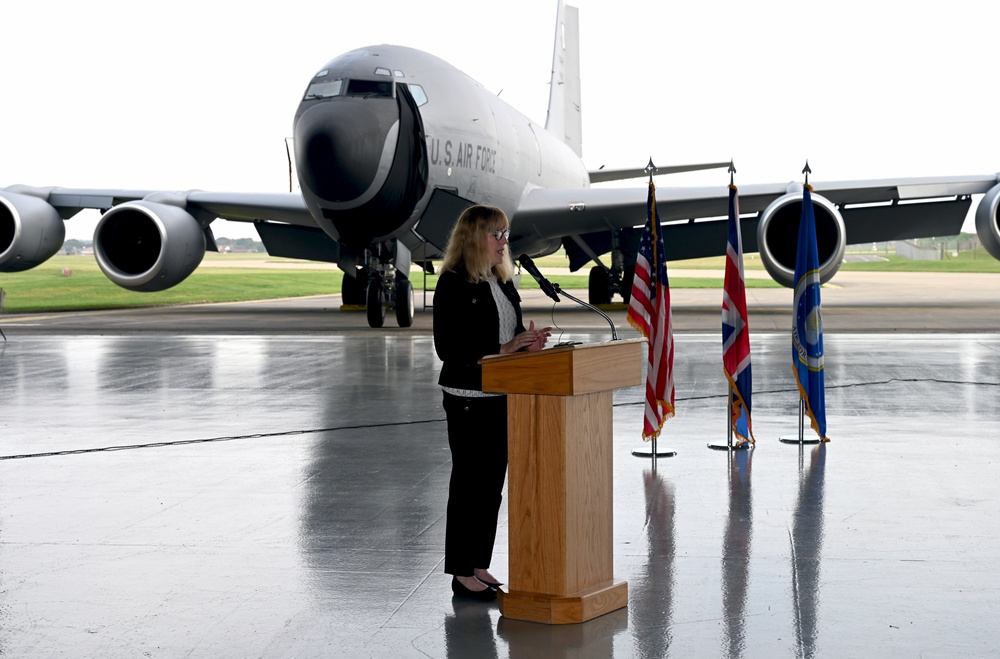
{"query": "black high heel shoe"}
pixel 491 584
pixel 485 595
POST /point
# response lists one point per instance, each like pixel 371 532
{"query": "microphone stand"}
pixel 614 331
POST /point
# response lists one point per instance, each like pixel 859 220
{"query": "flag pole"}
pixel 801 439
pixel 652 452
pixel 736 305
pixel 728 446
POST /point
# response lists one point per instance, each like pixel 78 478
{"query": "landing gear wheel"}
pixel 404 302
pixel 376 303
pixel 598 286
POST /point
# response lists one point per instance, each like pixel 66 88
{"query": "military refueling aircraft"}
pixel 391 144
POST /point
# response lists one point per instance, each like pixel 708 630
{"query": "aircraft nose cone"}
pixel 339 144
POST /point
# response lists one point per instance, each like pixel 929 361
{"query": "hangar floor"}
pixel 281 494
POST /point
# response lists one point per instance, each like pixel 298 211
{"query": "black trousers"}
pixel 477 435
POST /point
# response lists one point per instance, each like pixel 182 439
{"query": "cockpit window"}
pixel 324 89
pixel 369 88
pixel 382 71
pixel 418 94
pixel 398 73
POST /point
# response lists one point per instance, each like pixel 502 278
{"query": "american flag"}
pixel 649 314
pixel 735 331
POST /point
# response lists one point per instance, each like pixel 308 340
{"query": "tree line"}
pixel 75 246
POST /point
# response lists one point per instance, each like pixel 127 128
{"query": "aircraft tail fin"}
pixel 564 118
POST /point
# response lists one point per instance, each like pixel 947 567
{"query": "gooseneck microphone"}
pixel 543 283
pixel 553 291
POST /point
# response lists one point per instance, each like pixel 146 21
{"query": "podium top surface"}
pixel 566 370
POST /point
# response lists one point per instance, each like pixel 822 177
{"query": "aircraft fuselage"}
pixel 380 128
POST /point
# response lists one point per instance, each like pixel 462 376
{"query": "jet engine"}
pixel 778 231
pixel 988 222
pixel 148 246
pixel 31 231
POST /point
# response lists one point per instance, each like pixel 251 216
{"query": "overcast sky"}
pixel 108 93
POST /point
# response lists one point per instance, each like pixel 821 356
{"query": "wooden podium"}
pixel 559 410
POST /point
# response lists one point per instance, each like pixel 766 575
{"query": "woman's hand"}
pixel 541 336
pixel 531 340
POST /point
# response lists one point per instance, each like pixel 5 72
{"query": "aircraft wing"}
pixel 149 240
pixel 287 207
pixel 605 175
pixel 873 211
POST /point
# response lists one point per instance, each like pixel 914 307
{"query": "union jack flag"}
pixel 735 331
pixel 649 314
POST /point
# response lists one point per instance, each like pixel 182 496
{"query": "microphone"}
pixel 553 291
pixel 543 283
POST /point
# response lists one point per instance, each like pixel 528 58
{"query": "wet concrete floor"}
pixel 226 493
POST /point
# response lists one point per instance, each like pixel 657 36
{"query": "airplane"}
pixel 391 144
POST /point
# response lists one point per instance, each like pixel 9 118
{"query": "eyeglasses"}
pixel 500 234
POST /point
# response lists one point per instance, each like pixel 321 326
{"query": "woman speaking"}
pixel 477 312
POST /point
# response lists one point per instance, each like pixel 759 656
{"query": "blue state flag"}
pixel 807 332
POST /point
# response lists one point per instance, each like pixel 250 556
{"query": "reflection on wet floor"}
pixel 285 495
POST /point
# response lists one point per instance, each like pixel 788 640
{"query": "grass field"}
pixel 76 283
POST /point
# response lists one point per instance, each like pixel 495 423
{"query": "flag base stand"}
pixel 797 440
pixel 729 446
pixel 652 452
pixel 800 438
pixel 745 446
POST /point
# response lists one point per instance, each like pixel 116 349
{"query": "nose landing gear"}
pixel 380 285
pixel 389 289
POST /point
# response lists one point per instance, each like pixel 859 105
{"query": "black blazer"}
pixel 467 327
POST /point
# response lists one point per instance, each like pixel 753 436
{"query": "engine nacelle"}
pixel 31 232
pixel 148 246
pixel 988 222
pixel 778 233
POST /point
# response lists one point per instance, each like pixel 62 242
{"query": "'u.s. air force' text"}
pixel 464 154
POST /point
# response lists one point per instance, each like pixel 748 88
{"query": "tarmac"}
pixel 269 479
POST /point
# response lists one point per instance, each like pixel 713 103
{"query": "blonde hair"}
pixel 469 244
